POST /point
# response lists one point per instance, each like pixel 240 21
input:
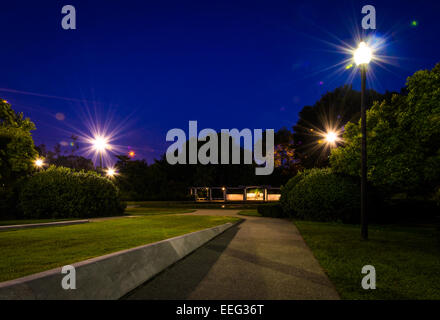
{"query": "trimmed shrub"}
pixel 59 192
pixel 436 197
pixel 409 210
pixel 285 190
pixel 7 204
pixel 9 200
pixel 272 210
pixel 322 195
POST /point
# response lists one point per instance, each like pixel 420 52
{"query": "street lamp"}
pixel 331 137
pixel 39 163
pixel 100 144
pixel 111 172
pixel 362 56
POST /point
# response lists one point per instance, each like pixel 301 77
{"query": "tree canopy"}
pixel 163 181
pixel 330 113
pixel 403 139
pixel 17 150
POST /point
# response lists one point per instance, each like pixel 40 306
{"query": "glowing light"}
pixel 131 153
pixel 39 163
pixel 234 197
pixel 99 140
pixel 363 54
pixel 414 23
pixel 331 137
pixel 100 143
pixel 349 66
pixel 223 188
pixel 111 172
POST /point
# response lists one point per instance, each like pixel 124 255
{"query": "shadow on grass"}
pixel 178 281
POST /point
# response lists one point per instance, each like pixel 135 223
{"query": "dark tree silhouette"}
pixel 331 112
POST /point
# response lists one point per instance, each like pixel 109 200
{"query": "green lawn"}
pixel 252 213
pixel 193 204
pixel 30 221
pixel 28 251
pixel 138 211
pixel 406 259
pixel 156 211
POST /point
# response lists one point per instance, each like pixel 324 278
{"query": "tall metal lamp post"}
pixel 362 57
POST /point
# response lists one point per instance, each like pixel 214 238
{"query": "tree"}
pixel 162 181
pixel 331 112
pixel 17 153
pixel 284 153
pixel 75 162
pixel 403 139
pixel 17 150
pixel 134 178
pixel 69 160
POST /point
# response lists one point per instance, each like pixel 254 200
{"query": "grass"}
pixel 252 213
pixel 406 259
pixel 30 221
pixel 156 211
pixel 193 204
pixel 138 211
pixel 29 251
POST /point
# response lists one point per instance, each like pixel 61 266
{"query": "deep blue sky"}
pixel 155 65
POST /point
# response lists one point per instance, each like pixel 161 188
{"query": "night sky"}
pixel 150 66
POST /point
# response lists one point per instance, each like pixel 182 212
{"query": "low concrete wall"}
pixel 113 275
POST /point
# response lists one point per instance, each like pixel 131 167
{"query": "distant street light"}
pixel 111 172
pixel 331 137
pixel 362 57
pixel 39 163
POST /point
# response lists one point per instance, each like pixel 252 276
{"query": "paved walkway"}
pixel 261 258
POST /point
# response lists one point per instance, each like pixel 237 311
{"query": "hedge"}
pixel 272 210
pixel 59 192
pixel 7 203
pixel 321 195
pixel 436 197
pixel 285 190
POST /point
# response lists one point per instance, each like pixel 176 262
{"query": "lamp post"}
pixel 362 56
pixel 100 144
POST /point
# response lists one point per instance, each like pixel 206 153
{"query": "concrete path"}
pixel 261 258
